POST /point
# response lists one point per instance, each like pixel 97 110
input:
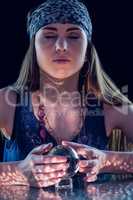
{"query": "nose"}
pixel 61 44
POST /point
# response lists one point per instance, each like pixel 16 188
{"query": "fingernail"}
pixel 81 170
pixel 63 173
pixel 93 172
pixel 67 165
pixel 84 163
pixel 50 143
pixel 88 174
pixel 58 180
pixel 47 146
pixel 64 142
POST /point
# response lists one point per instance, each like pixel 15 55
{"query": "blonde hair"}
pixel 102 85
pixel 95 78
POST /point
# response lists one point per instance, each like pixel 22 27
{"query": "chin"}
pixel 62 75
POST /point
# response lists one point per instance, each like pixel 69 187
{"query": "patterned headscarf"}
pixel 59 11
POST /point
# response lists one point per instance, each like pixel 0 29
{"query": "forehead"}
pixel 60 26
pixel 63 28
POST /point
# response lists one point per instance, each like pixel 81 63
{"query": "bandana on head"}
pixel 59 11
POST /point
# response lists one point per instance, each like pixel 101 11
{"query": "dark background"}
pixel 112 24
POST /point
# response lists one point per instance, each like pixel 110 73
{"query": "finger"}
pixel 87 153
pixel 48 176
pixel 83 170
pixel 41 159
pixel 90 178
pixel 46 195
pixel 50 168
pixel 49 182
pixel 88 163
pixel 72 144
pixel 55 159
pixel 80 148
pixel 42 148
pixel 92 171
pixel 83 150
pixel 89 166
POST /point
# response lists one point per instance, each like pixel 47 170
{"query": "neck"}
pixel 69 84
pixel 51 87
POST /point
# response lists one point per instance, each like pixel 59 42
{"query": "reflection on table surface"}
pixel 93 191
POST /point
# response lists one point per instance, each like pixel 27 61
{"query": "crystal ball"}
pixel 71 155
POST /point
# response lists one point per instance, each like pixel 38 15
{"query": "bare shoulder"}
pixel 7 107
pixel 119 117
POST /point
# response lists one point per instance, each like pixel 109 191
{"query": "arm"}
pixel 7 108
pixel 10 174
pixel 119 117
pixel 118 162
pixel 2 108
pixel 126 121
pixel 96 161
pixel 36 170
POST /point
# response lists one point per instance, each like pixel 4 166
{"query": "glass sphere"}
pixel 71 155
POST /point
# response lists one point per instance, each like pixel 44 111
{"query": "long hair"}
pixel 92 77
pixel 29 76
pixel 100 83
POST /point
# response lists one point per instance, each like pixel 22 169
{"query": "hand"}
pixel 93 160
pixel 43 170
pixel 48 195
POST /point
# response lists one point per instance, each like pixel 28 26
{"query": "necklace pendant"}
pixel 43 134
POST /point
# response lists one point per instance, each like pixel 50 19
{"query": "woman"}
pixel 62 96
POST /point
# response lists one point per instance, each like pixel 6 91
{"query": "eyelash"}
pixel 72 37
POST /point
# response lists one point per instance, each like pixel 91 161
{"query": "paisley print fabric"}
pixel 59 11
pixel 26 130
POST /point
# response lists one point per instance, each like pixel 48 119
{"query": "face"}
pixel 60 49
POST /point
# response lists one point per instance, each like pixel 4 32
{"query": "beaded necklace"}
pixel 41 116
pixel 43 121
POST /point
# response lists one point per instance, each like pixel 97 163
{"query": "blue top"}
pixel 26 128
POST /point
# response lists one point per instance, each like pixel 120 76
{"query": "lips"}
pixel 61 60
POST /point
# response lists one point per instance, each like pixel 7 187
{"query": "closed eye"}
pixel 71 37
pixel 74 37
pixel 50 36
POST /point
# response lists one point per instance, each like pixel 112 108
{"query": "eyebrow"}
pixel 55 29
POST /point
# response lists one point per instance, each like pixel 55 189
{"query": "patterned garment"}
pixel 26 134
pixel 59 11
pixel 26 131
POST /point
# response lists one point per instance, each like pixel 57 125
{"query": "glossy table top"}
pixel 93 191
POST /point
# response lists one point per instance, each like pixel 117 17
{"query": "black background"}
pixel 112 36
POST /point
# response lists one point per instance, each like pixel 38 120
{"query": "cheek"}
pixel 42 55
pixel 80 49
pixel 80 55
pixel 79 61
pixel 40 49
